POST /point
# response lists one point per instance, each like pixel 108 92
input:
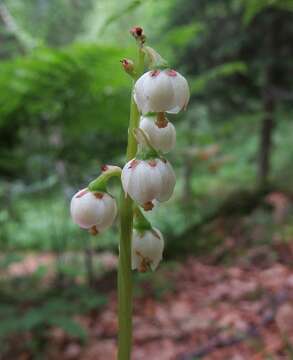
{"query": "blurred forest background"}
pixel 224 290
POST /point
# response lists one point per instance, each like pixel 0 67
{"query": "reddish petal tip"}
pixel 81 193
pixel 104 167
pixel 154 73
pixel 171 72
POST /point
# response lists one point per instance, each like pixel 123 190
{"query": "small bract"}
pixel 93 210
pixel 147 249
pixel 161 138
pixel 161 91
pixel 148 180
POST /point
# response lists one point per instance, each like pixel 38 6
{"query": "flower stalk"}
pixel 126 226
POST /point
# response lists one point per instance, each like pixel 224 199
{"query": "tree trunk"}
pixel 266 141
pixel 269 103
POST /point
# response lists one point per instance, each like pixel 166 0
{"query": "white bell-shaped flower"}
pixel 148 180
pixel 147 249
pixel 93 210
pixel 161 91
pixel 162 138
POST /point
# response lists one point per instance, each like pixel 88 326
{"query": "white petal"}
pixel 162 139
pixel 84 209
pixel 148 245
pixel 169 181
pixel 109 214
pixel 139 95
pixel 181 93
pixel 150 182
pixel 88 210
pixel 154 93
pixel 143 183
pixel 126 175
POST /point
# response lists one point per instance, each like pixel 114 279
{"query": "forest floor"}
pixel 211 312
pixel 194 310
pixel 211 307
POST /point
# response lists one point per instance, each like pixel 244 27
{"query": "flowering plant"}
pixel 146 177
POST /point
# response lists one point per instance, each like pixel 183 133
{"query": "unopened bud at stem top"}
pixel 138 34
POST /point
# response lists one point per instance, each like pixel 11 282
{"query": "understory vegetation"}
pixel 64 108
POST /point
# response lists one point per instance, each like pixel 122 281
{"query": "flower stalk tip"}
pixel 138 34
pixel 100 183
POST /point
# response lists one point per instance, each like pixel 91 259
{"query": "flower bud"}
pixel 147 180
pixel 128 66
pixel 162 136
pixel 137 33
pixel 147 249
pixel 93 210
pixel 161 91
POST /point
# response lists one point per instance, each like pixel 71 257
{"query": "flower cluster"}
pixel 148 177
pixel 151 177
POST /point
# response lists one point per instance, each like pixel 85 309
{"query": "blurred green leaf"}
pixel 182 35
pixel 133 5
pixel 198 84
pixel 254 7
pixel 70 326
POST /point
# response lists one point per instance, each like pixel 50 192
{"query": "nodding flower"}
pixel 162 134
pixel 95 211
pixel 148 180
pixel 147 249
pixel 161 91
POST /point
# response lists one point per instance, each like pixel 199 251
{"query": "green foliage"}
pixel 198 84
pixel 65 84
pixel 254 7
pixel 47 310
pixel 75 92
pixel 182 35
pixel 52 22
pixel 43 223
pixel 126 10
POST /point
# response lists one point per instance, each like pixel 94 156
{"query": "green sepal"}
pixel 149 114
pixel 160 67
pixel 147 155
pixel 140 222
pixel 156 61
pixel 146 150
pixel 98 185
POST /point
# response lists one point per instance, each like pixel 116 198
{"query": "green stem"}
pixel 126 225
pixel 100 183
